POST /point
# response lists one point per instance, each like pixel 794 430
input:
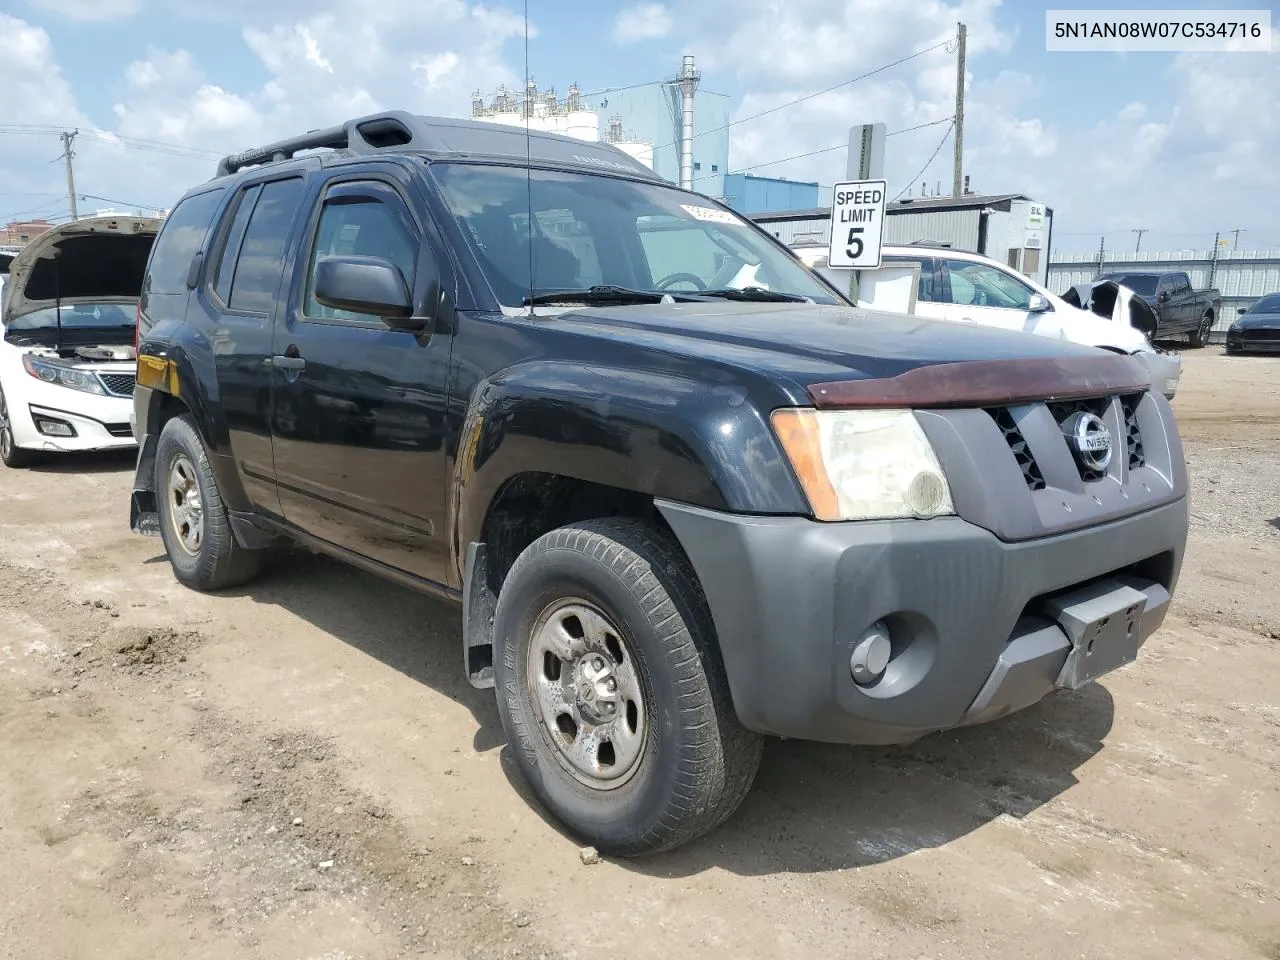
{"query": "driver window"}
pixel 980 285
pixel 359 226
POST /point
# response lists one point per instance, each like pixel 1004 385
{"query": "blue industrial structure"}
pixel 652 112
pixel 750 195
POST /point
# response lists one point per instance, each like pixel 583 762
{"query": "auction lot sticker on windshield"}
pixel 709 214
pixel 1158 31
pixel 857 223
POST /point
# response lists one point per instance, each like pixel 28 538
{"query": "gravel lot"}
pixel 298 770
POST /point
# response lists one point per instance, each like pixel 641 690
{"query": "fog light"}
pixel 54 428
pixel 871 654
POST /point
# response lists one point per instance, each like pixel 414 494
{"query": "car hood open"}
pixel 93 260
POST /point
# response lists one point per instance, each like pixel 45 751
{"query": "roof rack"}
pixel 363 135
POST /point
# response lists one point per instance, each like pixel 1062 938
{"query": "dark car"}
pixel 1179 308
pixel 1256 329
pixel 687 495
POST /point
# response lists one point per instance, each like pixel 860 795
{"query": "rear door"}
pixel 358 408
pixel 238 302
pixel 929 302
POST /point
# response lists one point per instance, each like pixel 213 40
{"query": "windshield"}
pixel 591 231
pixel 78 316
pixel 1143 284
pixel 1269 304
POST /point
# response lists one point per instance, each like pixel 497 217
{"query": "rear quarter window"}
pixel 180 238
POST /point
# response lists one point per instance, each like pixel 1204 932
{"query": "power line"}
pixel 811 96
pixel 843 145
pixel 934 156
pixel 136 143
pixel 122 203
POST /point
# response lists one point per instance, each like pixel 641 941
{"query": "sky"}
pixel 1179 145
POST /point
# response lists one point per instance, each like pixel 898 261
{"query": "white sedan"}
pixel 68 359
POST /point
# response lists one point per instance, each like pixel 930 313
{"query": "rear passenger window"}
pixel 925 290
pixel 180 239
pixel 235 235
pixel 260 261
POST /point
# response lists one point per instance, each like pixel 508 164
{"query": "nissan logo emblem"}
pixel 1090 440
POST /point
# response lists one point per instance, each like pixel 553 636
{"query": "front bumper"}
pixel 1165 369
pixel 974 627
pixel 91 433
pixel 1253 341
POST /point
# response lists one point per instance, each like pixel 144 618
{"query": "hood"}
pixel 92 260
pixel 1258 321
pixel 806 343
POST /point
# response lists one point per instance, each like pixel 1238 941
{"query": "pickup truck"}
pixel 1179 309
pixel 686 494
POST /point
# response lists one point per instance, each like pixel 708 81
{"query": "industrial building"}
pixel 751 195
pixel 1011 228
pixel 674 127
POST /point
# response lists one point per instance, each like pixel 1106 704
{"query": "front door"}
pixel 358 408
pixel 984 294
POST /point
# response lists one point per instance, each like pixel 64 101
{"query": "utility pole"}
pixel 1235 236
pixel 957 181
pixel 68 154
pixel 1139 231
pixel 1102 248
pixel 1213 261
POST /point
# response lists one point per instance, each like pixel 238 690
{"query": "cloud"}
pixel 644 21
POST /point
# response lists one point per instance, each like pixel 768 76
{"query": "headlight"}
pixel 863 464
pixel 51 371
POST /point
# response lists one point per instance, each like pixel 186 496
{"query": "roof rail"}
pixel 363 135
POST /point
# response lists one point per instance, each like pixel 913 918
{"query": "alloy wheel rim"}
pixel 586 690
pixel 186 507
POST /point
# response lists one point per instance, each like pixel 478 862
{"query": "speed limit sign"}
pixel 857 222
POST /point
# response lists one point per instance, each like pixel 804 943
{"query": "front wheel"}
pixel 1200 337
pixel 12 454
pixel 612 692
pixel 193 519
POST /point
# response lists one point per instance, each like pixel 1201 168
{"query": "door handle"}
pixel 288 363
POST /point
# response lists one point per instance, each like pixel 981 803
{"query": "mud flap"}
pixel 143 518
pixel 478 605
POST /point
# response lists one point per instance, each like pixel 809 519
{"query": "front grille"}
pixel 1133 436
pixel 1263 334
pixel 119 429
pixel 120 384
pixel 1018 446
pixel 1065 410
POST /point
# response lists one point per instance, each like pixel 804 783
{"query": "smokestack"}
pixel 688 83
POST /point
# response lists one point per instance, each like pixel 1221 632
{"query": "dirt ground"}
pixel 299 771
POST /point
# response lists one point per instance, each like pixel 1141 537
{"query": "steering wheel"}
pixel 666 281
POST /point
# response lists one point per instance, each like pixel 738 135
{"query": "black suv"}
pixel 687 495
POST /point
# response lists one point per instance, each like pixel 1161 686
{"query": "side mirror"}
pixel 366 285
pixel 1039 303
pixel 1242 310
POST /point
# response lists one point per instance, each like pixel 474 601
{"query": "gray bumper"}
pixel 976 627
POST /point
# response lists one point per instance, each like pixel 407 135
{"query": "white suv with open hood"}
pixel 68 359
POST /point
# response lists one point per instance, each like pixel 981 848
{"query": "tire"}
pixel 195 530
pixel 1200 336
pixel 11 454
pixel 693 761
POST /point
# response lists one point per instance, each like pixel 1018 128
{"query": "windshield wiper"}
pixel 600 293
pixel 759 294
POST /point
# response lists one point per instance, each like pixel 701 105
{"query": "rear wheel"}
pixel 1200 336
pixel 612 692
pixel 12 455
pixel 193 520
